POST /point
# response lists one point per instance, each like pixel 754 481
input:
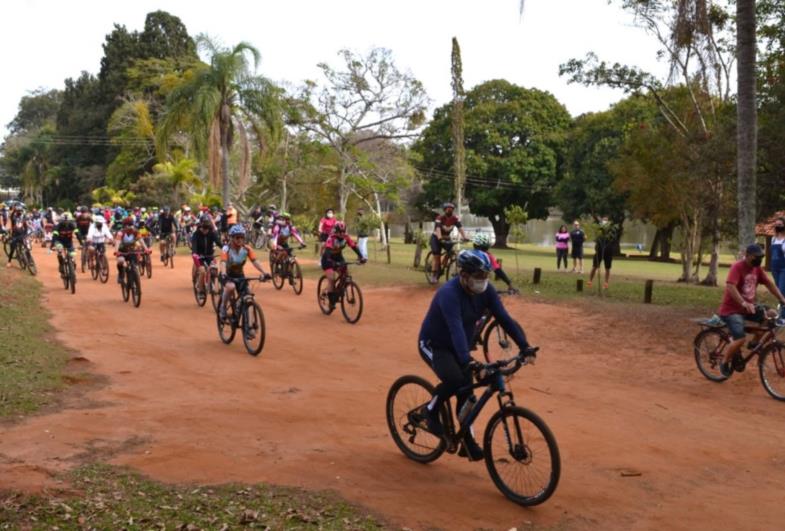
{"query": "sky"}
pixel 46 41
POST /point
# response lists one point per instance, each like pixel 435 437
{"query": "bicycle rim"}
pixel 522 456
pixel 708 347
pixel 253 328
pixel 278 274
pixel 135 288
pixel 321 296
pixel 31 267
pixel 171 258
pixel 227 327
pixel 428 268
pixel 103 272
pixel 124 287
pixel 72 277
pixel 405 402
pixel 772 371
pixel 215 292
pixel 297 278
pixel 65 275
pixel 352 302
pixel 148 263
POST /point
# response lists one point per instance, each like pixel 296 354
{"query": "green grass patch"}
pixel 115 498
pixel 31 361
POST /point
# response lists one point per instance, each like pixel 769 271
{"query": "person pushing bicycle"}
pixel 739 301
pixel 448 329
pixel 233 258
pixel 333 259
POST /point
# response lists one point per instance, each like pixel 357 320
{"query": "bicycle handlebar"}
pixel 525 357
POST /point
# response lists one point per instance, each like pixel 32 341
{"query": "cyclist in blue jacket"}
pixel 447 331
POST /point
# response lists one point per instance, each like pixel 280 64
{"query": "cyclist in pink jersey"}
pixel 326 225
pixel 333 259
pixel 281 232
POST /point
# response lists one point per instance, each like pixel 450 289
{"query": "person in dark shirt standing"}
pixel 577 237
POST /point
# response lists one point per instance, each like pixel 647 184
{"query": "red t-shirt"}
pixel 746 279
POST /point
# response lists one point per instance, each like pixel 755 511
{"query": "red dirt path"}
pixel 182 407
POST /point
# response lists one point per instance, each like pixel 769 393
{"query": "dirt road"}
pixel 619 390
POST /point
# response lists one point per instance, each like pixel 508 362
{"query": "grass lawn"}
pixel 31 361
pixel 114 498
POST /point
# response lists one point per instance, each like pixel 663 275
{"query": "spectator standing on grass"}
pixel 363 224
pixel 778 254
pixel 577 237
pixel 562 246
pixel 603 250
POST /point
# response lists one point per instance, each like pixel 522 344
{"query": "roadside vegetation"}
pixel 31 360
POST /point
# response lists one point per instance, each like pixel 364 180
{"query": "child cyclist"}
pixel 230 270
pixel 482 242
pixel 333 259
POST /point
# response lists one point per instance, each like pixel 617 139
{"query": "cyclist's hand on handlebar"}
pixel 264 277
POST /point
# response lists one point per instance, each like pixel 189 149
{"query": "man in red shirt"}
pixel 738 303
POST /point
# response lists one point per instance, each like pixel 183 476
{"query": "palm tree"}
pixel 746 128
pixel 217 101
pixel 179 175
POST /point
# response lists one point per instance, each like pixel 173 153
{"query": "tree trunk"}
pixel 665 244
pixel 746 131
pixel 501 229
pixel 655 245
pixel 343 192
pixel 712 274
pixel 283 193
pixel 225 184
pixel 379 213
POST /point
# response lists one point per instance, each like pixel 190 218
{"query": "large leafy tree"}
pixel 222 100
pixel 514 142
pixel 366 100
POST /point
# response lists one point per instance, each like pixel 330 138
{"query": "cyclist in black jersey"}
pixel 167 229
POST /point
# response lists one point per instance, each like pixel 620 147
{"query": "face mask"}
pixel 478 286
pixel 757 261
pixel 329 215
pixel 281 222
pixel 779 228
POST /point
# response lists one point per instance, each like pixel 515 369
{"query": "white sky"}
pixel 45 41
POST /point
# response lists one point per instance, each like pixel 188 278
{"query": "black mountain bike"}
pixel 449 265
pixel 243 312
pixel 211 285
pixel 24 256
pixel 98 264
pixel 284 268
pixel 130 282
pixel 521 453
pixel 169 252
pixel 347 292
pixel 68 273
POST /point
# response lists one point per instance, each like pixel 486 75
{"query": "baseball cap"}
pixel 755 250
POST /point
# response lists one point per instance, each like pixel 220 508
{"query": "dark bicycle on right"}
pixel 521 453
pixel 709 345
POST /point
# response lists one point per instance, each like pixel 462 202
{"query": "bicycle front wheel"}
pixel 227 327
pixel 72 276
pixel 406 402
pixel 278 274
pixel 428 268
pixel 148 265
pixel 522 456
pixel 253 328
pixel 352 302
pixel 321 296
pixel 297 278
pixel 171 256
pixel 31 268
pixel 215 290
pixel 135 287
pixel 772 371
pixel 103 269
pixel 709 345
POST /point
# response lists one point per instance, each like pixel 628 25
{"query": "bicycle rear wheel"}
pixel 253 327
pixel 708 346
pixel 496 345
pixel 135 287
pixel 522 456
pixel 406 401
pixel 103 269
pixel 321 296
pixel 772 371
pixel 352 302
pixel 428 268
pixel 297 278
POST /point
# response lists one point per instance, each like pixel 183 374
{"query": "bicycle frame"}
pixel 764 341
pixel 493 383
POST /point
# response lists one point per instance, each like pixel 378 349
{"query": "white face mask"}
pixel 329 215
pixel 281 222
pixel 478 286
